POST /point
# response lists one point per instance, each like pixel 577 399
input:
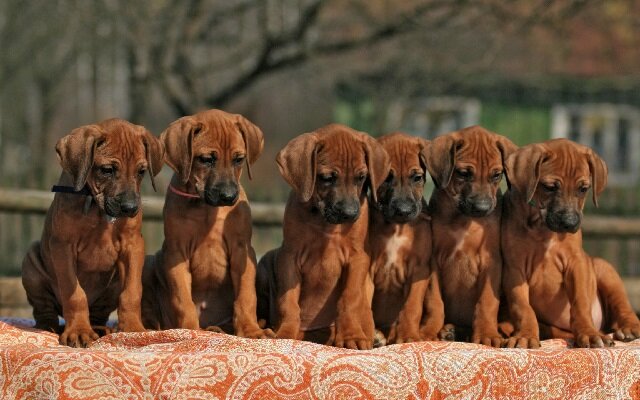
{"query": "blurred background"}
pixel 528 69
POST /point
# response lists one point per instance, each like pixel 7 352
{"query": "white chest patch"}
pixel 392 250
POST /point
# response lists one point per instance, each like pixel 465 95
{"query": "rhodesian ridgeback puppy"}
pixel 548 277
pixel 407 305
pixel 466 167
pixel 204 275
pixel 317 277
pixel 90 258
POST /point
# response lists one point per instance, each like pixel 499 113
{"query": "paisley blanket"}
pixel 183 364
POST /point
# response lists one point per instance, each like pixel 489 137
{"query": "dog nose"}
pixel 404 208
pixel 482 205
pixel 570 221
pixel 129 207
pixel 229 195
pixel 349 210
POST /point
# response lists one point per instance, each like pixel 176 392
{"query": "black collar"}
pixel 69 189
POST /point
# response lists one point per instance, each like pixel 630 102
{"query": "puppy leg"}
pixel 354 325
pixel 485 320
pixel 243 275
pixel 407 326
pixel 288 297
pixel 101 308
pixel 265 280
pixel 152 294
pixel 75 308
pixel 130 264
pixel 526 332
pixel 433 320
pixel 618 311
pixel 581 286
pixel 179 285
pixel 39 291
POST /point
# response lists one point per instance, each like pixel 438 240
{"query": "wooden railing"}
pixel 268 214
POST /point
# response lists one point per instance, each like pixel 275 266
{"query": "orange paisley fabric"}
pixel 183 364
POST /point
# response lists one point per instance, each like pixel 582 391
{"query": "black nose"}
pixel 129 207
pixel 348 210
pixel 404 208
pixel 570 221
pixel 229 195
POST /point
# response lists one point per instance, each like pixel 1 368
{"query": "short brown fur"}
pixel 466 167
pixel 85 267
pixel 548 277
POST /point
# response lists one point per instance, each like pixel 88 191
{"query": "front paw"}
pixel 492 339
pixel 593 340
pixel 522 341
pixel 287 332
pixel 353 339
pixel 447 333
pixel 78 337
pixel 258 334
pixel 401 334
pixel 627 331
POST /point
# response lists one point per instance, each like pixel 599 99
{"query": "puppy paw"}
pixel 492 339
pixel 355 340
pixel 447 333
pixel 259 334
pixel 593 340
pixel 214 328
pixel 379 340
pixel 522 342
pixel 627 332
pixel 402 334
pixel 78 337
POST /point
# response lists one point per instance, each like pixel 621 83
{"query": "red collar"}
pixel 183 194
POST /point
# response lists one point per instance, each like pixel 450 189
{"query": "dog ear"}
pixel 297 164
pixel 506 148
pixel 424 145
pixel 154 151
pixel 522 169
pixel 441 158
pixel 599 171
pixel 76 150
pixel 378 163
pixel 177 140
pixel 253 140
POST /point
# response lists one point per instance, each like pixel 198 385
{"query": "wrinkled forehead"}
pixel 219 132
pixel 341 151
pixel 566 164
pixel 403 155
pixel 481 151
pixel 121 142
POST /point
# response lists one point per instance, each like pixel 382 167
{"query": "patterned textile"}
pixel 183 364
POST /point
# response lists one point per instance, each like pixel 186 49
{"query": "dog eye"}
pixel 327 179
pixel 550 188
pixel 360 178
pixel 141 171
pixel 418 178
pixel 463 173
pixel 238 160
pixel 496 177
pixel 583 189
pixel 207 159
pixel 107 169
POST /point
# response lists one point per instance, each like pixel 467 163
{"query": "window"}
pixel 613 131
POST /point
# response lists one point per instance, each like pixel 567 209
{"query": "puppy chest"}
pixel 210 267
pixel 391 267
pixel 98 258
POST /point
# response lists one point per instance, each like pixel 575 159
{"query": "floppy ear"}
pixel 424 145
pixel 506 148
pixel 599 171
pixel 378 163
pixel 253 140
pixel 154 151
pixel 522 168
pixel 441 158
pixel 177 140
pixel 297 164
pixel 76 150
